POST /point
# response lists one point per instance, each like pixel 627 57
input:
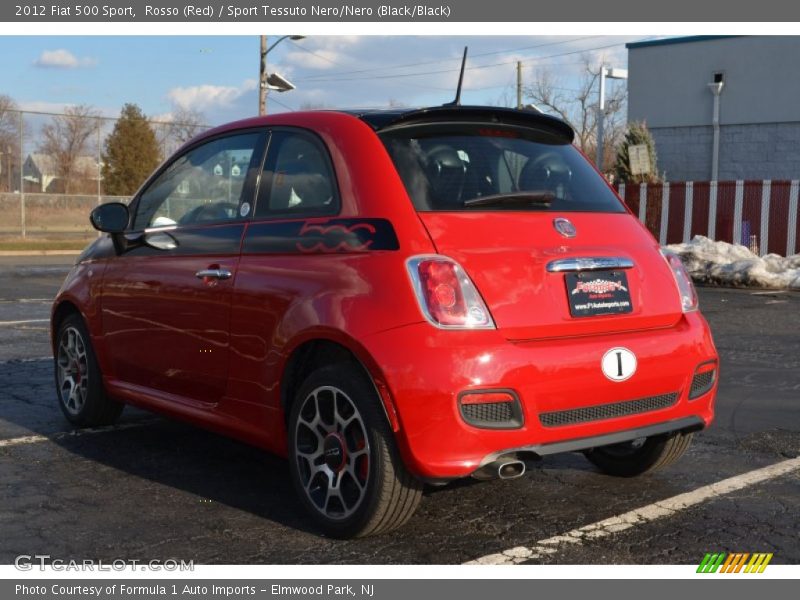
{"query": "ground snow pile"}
pixel 721 263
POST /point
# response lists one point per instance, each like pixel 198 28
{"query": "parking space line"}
pixel 25 360
pixel 640 516
pixel 25 322
pixel 26 439
pixel 34 439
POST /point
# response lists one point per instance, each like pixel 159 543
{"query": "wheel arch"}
pixel 320 349
pixel 61 311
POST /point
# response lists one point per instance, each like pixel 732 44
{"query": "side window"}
pixel 202 186
pixel 297 178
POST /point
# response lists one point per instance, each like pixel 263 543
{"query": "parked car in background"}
pixel 389 299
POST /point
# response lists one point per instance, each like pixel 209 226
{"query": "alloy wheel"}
pixel 332 452
pixel 73 370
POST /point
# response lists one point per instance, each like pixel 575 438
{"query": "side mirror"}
pixel 110 218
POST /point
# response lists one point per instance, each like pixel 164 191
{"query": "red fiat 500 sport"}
pixel 389 298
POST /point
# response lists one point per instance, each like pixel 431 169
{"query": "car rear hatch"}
pixel 551 249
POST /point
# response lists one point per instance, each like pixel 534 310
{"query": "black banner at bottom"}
pixel 392 589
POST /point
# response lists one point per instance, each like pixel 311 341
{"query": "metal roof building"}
pixel 754 81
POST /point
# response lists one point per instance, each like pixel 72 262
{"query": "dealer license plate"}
pixel 593 293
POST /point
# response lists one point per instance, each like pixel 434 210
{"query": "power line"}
pixel 312 53
pixel 441 60
pixel 279 103
pixel 469 68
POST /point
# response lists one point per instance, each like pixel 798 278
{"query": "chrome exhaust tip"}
pixel 511 469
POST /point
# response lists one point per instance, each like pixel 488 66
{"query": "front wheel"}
pixel 343 460
pixel 79 381
pixel 643 455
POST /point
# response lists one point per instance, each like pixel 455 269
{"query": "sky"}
pixel 217 75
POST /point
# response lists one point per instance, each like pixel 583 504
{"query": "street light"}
pixel 263 85
pixel 605 72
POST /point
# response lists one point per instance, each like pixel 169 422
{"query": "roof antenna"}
pixel 457 101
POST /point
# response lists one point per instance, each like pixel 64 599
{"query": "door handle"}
pixel 213 274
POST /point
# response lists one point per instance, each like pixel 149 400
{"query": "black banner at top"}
pixel 349 11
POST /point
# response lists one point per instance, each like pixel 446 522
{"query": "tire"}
pixel 641 456
pixel 79 382
pixel 344 463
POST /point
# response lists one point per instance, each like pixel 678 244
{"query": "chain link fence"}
pixel 51 168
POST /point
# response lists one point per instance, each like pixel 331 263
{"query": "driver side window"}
pixel 203 186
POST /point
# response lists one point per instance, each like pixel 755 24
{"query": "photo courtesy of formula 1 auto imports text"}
pixel 373 300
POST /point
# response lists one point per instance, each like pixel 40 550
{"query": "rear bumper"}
pixel 686 424
pixel 425 369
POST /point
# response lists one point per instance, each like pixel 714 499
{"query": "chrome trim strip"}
pixel 589 263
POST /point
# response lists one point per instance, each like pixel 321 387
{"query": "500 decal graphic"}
pixel 336 237
pixel 314 237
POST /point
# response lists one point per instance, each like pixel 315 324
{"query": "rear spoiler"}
pixel 476 114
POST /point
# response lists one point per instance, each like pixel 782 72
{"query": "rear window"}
pixel 457 167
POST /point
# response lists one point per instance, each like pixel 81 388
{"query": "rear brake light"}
pixel 686 289
pixel 446 295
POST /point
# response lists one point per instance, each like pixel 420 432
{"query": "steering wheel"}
pixel 206 213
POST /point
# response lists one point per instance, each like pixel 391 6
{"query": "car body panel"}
pixel 426 369
pixel 527 301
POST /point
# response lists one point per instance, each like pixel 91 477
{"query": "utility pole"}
pixel 519 85
pixel 262 78
pixel 605 73
pixel 282 84
pixel 601 117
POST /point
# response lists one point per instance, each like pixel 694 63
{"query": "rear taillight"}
pixel 446 295
pixel 686 289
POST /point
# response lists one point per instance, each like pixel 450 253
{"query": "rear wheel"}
pixel 79 382
pixel 640 456
pixel 344 463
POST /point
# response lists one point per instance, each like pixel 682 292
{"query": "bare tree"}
pixel 577 105
pixel 186 123
pixel 9 143
pixel 66 140
pixel 179 127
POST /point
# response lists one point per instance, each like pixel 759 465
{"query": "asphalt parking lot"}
pixel 156 489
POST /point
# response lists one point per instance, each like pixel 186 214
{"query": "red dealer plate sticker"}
pixel 596 293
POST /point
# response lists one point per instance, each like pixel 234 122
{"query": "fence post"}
pixel 22 225
pixel 662 237
pixel 99 169
pixel 712 210
pixel 738 203
pixel 791 237
pixel 766 192
pixel 643 203
pixel 687 211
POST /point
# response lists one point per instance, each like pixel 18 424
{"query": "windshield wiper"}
pixel 541 198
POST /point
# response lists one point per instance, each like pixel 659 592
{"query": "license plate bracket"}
pixel 595 293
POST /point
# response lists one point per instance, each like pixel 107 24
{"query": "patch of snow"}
pixel 720 263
